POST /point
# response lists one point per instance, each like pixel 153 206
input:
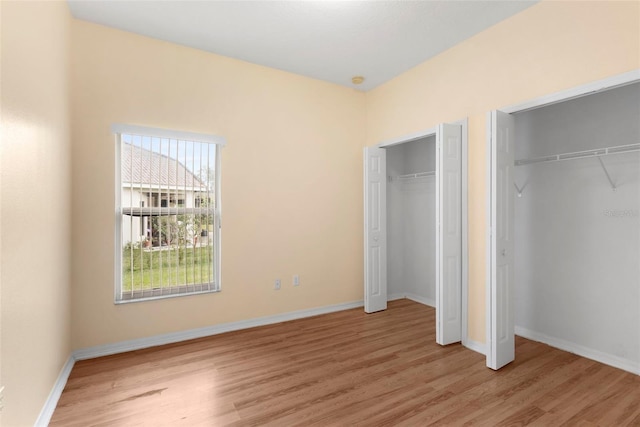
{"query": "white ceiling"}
pixel 327 40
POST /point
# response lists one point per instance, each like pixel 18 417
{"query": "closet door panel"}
pixel 375 219
pixel 449 234
pixel 501 339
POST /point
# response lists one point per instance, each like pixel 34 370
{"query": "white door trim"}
pixel 575 92
pixel 410 137
pixel 601 85
pixel 487 283
pixel 464 124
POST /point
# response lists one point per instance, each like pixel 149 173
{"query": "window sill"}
pixel 177 292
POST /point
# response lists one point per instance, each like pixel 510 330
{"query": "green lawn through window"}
pixel 168 267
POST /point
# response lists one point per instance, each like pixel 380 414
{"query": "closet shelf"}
pixel 598 152
pixel 411 176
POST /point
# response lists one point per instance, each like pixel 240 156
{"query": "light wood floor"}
pixel 345 368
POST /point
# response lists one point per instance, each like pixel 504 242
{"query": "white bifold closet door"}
pixel 448 234
pixel 375 223
pixel 448 242
pixel 501 325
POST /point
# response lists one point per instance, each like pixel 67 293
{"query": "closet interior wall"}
pixel 577 242
pixel 411 238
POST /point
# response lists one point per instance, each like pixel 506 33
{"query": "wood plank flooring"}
pixel 346 368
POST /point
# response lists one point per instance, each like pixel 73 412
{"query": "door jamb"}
pixel 464 125
pixel 408 138
pixel 575 92
pixel 591 88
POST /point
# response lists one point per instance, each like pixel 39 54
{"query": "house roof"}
pixel 151 169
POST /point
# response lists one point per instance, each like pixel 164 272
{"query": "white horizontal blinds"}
pixel 168 216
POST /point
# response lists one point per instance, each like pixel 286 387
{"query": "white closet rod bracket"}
pixel 518 189
pixel 606 172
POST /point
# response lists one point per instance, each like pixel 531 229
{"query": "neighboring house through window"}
pixel 167 213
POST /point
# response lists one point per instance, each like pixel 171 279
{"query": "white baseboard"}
pixel 475 346
pixel 393 297
pixel 412 297
pixel 470 344
pixel 104 350
pixel 580 350
pixel 174 337
pixel 421 300
pixel 52 400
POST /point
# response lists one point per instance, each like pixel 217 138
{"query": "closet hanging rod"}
pixel 598 152
pixel 413 175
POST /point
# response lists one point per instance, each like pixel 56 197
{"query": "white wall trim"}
pixel 464 124
pixel 119 128
pixel 575 92
pixel 408 138
pixel 553 98
pixel 476 346
pixel 120 347
pixel 412 297
pixel 422 300
pixel 393 297
pixel 487 284
pixel 52 400
pixel 174 337
pixel 580 350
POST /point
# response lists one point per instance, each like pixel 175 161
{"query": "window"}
pixel 167 213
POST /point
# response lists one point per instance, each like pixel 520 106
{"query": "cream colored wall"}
pixel 292 174
pixel 35 215
pixel 291 181
pixel 1 139
pixel 547 48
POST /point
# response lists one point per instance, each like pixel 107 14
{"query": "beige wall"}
pixel 291 181
pixel 548 47
pixel 35 193
pixel 291 173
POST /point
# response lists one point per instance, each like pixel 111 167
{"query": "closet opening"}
pixel 415 225
pixel 411 221
pixel 565 228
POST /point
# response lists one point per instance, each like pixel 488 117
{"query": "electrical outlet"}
pixel 296 280
pixel 277 285
pixel 1 398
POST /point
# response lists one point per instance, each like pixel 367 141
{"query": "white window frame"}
pixel 218 142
